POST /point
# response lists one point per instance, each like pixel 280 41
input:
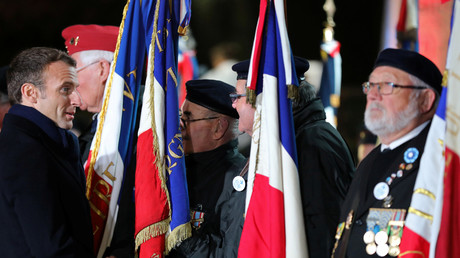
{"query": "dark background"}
pixel 29 23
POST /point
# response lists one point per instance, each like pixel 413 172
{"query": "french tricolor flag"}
pixel 274 224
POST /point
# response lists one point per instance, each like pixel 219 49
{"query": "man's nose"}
pixel 75 98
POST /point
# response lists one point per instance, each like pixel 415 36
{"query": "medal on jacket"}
pixel 238 183
pixel 384 230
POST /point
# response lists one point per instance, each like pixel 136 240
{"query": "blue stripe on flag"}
pixel 272 58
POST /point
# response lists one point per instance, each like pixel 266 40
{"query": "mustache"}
pixel 375 105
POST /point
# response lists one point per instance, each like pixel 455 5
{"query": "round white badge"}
pixel 381 190
pixel 238 183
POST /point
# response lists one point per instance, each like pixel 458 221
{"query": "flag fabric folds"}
pixel 449 233
pixel 331 80
pixel 422 226
pixel 434 29
pixel 274 224
pixel 162 208
pixel 112 145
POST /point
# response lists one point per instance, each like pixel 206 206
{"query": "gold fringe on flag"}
pixel 251 97
pixel 293 91
pixel 154 230
pixel 179 234
pixel 445 77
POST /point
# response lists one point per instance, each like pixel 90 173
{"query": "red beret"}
pixel 90 37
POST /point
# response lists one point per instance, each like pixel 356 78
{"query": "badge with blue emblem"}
pixel 411 155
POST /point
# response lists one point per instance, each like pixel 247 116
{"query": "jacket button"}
pixel 359 222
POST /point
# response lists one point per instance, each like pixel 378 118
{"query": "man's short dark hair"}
pixel 307 93
pixel 29 66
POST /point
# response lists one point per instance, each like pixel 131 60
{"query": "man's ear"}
pixel 29 93
pixel 428 100
pixel 220 128
pixel 105 71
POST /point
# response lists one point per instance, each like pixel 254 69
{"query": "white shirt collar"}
pixel 405 138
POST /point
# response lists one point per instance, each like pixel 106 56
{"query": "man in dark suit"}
pixel 43 208
pixel 402 94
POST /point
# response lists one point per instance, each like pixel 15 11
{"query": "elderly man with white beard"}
pixel 402 95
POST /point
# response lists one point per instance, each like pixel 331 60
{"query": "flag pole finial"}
pixel 328 32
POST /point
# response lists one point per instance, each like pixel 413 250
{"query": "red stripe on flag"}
pixel 414 245
pixel 151 200
pixel 263 221
pixel 258 45
pixel 449 233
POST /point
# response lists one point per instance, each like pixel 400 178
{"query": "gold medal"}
pixel 381 238
pixel 394 251
pixel 394 240
pixel 382 250
pixel 368 237
pixel 371 248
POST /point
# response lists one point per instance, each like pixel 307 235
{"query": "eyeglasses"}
pixel 85 66
pixel 235 96
pixel 185 121
pixel 386 88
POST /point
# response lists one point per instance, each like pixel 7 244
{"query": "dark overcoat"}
pixel 326 170
pixel 43 208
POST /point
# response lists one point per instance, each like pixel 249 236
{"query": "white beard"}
pixel 386 125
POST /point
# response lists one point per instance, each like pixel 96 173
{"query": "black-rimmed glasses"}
pixel 386 88
pixel 235 96
pixel 185 121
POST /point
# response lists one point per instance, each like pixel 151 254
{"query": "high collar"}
pixel 48 126
pixel 208 157
pixel 311 112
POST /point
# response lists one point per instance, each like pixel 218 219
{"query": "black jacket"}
pixel 375 168
pixel 209 176
pixel 43 208
pixel 326 169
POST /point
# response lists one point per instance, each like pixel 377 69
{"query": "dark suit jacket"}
pixel 375 168
pixel 43 208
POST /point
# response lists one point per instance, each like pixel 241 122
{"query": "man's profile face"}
pixel 245 110
pixel 91 86
pixel 196 135
pixel 387 114
pixel 60 99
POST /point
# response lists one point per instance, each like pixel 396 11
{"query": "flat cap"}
pixel 213 95
pixel 413 63
pixel 90 37
pixel 242 68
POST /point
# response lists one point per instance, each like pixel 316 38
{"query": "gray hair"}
pixel 90 56
pixel 307 92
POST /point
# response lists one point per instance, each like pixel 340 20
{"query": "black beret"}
pixel 213 95
pixel 413 63
pixel 3 85
pixel 242 68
